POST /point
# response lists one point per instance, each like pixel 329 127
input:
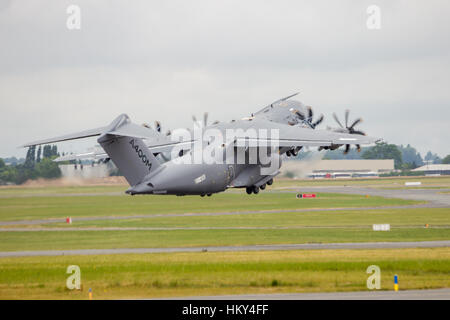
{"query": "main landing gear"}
pixel 255 189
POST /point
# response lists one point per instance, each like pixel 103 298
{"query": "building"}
pixel 336 168
pixel 84 171
pixel 434 169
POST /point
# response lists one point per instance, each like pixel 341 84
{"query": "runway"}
pixel 432 196
pixel 430 294
pixel 59 229
pixel 269 247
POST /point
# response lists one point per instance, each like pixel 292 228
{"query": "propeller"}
pixel 157 127
pixel 205 119
pixel 349 129
pixel 308 119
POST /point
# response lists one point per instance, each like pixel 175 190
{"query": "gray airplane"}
pixel 242 160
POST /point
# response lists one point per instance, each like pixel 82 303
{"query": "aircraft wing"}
pixel 295 136
pixel 99 154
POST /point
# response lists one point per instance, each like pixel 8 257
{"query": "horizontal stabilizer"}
pixel 121 126
pixel 73 136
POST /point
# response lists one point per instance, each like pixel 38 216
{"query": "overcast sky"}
pixel 166 60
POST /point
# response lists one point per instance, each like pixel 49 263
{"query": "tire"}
pixel 249 190
pixel 209 194
pixel 255 190
pixel 270 182
pixel 263 186
pixel 288 153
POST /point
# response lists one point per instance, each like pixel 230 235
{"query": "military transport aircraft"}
pixel 243 153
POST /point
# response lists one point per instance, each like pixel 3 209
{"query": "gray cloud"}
pixel 166 60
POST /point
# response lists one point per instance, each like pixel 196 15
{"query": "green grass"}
pixel 52 240
pixel 16 208
pixel 216 273
pixel 373 182
pixel 395 217
pixel 19 191
pixel 188 274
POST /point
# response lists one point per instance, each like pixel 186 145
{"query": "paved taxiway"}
pixel 432 294
pixel 268 247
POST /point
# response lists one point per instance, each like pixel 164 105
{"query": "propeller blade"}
pixel 346 117
pixel 300 115
pixel 355 122
pixel 337 120
pixel 318 121
pixel 310 113
pixel 158 126
pixel 347 148
pixel 359 132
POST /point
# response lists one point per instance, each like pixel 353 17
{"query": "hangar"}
pixel 336 168
pixel 434 169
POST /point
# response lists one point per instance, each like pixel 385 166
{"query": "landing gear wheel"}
pixel 263 186
pixel 294 153
pixel 202 195
pixel 255 190
pixel 288 153
pixel 270 182
pixel 209 194
pixel 249 190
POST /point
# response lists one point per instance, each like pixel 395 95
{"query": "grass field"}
pixel 267 218
pixel 339 218
pixel 43 207
pixel 17 241
pixel 209 273
pixel 389 182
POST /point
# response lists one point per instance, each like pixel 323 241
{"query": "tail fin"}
pixel 130 155
pixel 122 141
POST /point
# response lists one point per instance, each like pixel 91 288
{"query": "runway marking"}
pixel 267 247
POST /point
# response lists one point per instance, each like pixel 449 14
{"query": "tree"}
pixel 433 158
pixel 47 151
pixel 411 156
pixel 38 156
pixel 30 158
pixel 384 151
pixel 54 151
pixel 48 169
pixel 446 160
pixel 2 164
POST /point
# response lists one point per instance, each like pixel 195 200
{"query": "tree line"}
pixel 405 157
pixel 38 164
